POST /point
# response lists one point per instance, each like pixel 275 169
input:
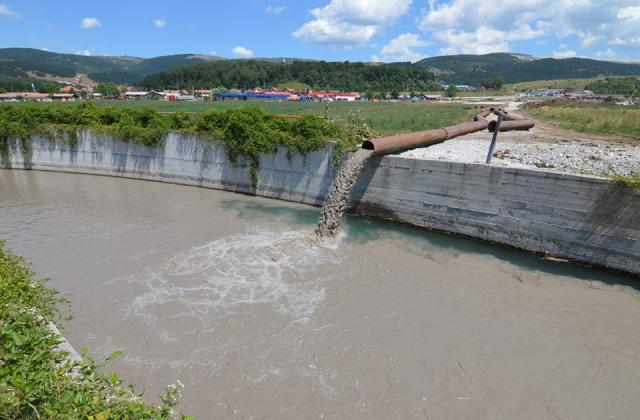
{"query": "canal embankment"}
pixel 587 219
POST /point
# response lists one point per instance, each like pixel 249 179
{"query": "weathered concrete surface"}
pixel 184 159
pixel 587 219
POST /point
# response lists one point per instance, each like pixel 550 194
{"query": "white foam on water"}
pixel 230 274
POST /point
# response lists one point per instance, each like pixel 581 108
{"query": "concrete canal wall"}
pixel 588 219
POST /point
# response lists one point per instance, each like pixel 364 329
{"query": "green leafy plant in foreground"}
pixel 37 380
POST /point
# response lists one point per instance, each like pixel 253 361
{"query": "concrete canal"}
pixel 224 292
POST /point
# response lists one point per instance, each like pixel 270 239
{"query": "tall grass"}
pixel 592 119
pixel 552 84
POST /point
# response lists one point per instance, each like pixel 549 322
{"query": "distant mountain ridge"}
pixel 28 62
pixel 25 63
pixel 514 68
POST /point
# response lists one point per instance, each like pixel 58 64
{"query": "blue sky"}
pixel 356 30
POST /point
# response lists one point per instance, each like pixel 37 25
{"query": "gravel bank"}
pixel 545 147
pixel 578 156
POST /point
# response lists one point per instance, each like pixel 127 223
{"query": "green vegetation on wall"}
pixel 245 132
pixel 38 380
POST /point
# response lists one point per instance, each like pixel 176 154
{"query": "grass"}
pixel 572 84
pixel 595 119
pixel 384 118
pixel 37 380
pixel 631 181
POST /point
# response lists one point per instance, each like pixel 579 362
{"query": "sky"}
pixel 333 30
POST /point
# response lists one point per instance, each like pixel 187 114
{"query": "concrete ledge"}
pixel 587 219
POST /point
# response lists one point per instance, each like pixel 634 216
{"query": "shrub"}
pixel 247 132
pixel 37 380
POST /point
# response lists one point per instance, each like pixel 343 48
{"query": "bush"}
pixel 37 380
pixel 247 132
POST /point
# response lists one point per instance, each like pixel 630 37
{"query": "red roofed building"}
pixel 335 96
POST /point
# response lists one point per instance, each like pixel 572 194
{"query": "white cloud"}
pixel 564 54
pixel 83 52
pixel 351 22
pixel 607 54
pixel 463 25
pixel 90 22
pixel 5 10
pixel 160 23
pixel 401 48
pixel 242 52
pixel 471 42
pixel 213 52
pixel 274 10
pixel 630 13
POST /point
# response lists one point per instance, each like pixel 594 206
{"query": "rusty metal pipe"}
pixel 466 128
pixel 510 125
pixel 391 144
pixel 397 143
pixel 482 115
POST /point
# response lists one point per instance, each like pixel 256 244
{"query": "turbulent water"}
pixel 337 203
pixel 226 293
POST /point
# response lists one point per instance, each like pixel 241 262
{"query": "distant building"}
pixel 202 93
pixel 347 97
pixel 334 96
pixel 266 96
pixel 24 96
pixel 172 95
pixel 143 95
pixel 68 89
pixel 64 97
pixel 135 95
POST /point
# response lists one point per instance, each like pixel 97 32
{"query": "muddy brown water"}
pixel 224 292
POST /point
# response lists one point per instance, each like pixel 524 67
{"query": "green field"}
pixel 571 84
pixel 596 119
pixel 383 117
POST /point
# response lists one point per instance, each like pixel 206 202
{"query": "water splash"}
pixel 234 273
pixel 336 205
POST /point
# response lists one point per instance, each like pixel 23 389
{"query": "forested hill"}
pixel 513 68
pixel 21 66
pixel 28 62
pixel 344 76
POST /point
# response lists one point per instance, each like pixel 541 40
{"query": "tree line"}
pixel 616 86
pixel 249 74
